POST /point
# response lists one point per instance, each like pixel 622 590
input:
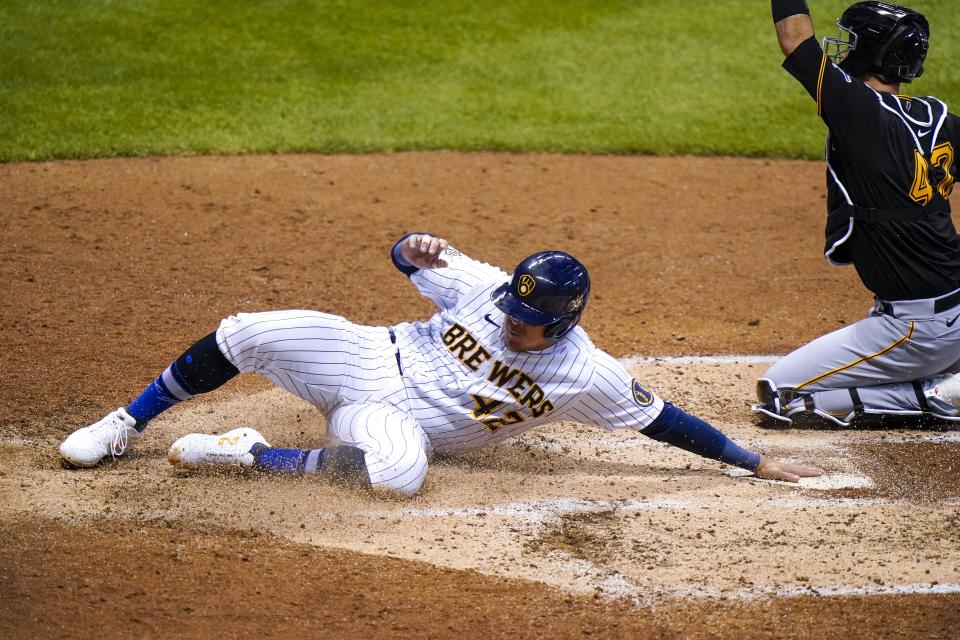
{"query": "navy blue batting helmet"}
pixel 548 288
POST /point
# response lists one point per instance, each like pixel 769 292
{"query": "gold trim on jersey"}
pixel 823 67
pixel 859 360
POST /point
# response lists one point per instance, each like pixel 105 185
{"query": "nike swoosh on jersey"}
pixel 487 318
pixel 923 133
pixel 950 322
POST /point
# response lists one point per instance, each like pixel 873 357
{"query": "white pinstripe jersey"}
pixel 467 389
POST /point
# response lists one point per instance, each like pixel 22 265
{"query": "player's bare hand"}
pixel 423 251
pixel 771 469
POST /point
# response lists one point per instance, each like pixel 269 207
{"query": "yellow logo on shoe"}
pixel 231 441
pixel 525 285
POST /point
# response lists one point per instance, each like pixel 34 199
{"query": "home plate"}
pixel 831 481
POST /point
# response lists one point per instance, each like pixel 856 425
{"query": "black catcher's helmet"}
pixel 881 38
pixel 548 288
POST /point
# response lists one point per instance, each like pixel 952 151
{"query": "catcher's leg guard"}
pixel 769 407
pixel 832 408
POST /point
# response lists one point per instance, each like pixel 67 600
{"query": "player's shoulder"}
pixel 929 110
pixel 577 341
pixel 927 105
pixel 577 352
pixel 952 119
pixel 480 292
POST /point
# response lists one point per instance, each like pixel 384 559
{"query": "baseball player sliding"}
pixel 502 355
pixel 891 166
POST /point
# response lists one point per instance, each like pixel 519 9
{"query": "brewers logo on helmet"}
pixel 525 285
pixel 549 288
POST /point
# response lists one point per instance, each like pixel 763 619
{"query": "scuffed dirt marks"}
pixel 594 537
pixel 923 472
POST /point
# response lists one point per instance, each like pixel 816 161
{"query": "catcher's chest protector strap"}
pixel 839 220
pixel 871 215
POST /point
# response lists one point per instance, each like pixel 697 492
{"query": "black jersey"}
pixel 889 153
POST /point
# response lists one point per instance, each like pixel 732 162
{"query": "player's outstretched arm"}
pixel 423 250
pixel 771 469
pixel 792 21
pixel 679 428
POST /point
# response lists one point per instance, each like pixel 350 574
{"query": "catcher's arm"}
pixel 792 21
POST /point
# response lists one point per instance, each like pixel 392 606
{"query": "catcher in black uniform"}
pixel 891 165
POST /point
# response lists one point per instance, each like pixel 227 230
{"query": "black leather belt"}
pixel 949 302
pixel 939 306
pixel 393 339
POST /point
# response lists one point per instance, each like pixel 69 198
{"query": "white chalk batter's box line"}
pixel 537 512
pixel 615 585
pixel 636 360
pixel 756 593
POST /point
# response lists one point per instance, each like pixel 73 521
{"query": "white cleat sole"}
pixel 228 449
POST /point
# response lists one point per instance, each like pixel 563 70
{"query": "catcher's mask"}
pixel 881 38
pixel 548 288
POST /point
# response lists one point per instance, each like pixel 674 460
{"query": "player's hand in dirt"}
pixel 423 251
pixel 770 469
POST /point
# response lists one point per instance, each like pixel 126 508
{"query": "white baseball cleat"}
pixel 112 435
pixel 230 448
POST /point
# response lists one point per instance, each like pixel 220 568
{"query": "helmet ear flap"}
pixel 558 329
pixel 564 325
pixel 905 52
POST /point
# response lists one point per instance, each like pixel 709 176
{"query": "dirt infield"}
pixel 111 267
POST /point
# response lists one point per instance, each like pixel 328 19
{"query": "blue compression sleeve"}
pixel 690 433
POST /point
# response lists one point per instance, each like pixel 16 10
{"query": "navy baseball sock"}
pixel 291 461
pixel 342 464
pixel 200 369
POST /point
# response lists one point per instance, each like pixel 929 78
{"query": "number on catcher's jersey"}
pixel 921 191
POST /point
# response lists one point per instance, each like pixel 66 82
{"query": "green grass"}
pixel 141 77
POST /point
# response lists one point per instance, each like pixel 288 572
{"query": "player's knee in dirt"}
pixel 352 466
pixel 397 489
pixel 390 480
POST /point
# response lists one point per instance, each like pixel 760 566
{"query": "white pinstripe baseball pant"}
pixel 350 372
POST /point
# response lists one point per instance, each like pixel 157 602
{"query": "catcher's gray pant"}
pixel 350 372
pixel 887 363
